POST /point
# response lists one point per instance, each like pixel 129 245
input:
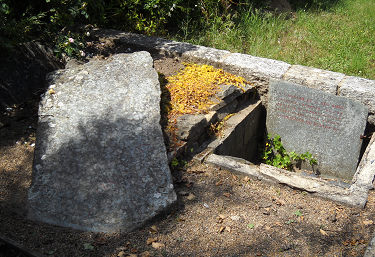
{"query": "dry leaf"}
pixel 150 240
pixel 278 201
pixel 323 232
pixel 157 245
pixel 145 254
pixel 189 184
pixel 153 229
pixel 219 183
pixel 132 255
pixel 226 194
pixel 227 229
pixel 222 216
pixel 195 170
pixel 51 91
pixel 368 222
pixel 234 177
pixel 100 241
pixel 267 227
pixel 127 245
pixel 346 242
pixel 353 242
pixel 179 219
pixel 278 224
pixel 134 250
pixel 259 254
pixel 246 179
pixel 183 193
pixel 221 229
pixel 191 197
pixel 121 254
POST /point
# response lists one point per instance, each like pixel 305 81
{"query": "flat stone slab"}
pixel 324 80
pixel 356 194
pixel 327 126
pixel 248 66
pixel 100 160
pixel 362 90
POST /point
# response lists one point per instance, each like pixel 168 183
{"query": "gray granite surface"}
pixel 311 120
pixel 100 160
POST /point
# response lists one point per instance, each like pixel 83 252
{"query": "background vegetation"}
pixel 336 35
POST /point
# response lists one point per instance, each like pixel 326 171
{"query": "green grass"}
pixel 341 38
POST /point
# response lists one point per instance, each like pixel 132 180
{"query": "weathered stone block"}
pixel 190 125
pixel 248 66
pixel 327 126
pixel 315 78
pixel 227 109
pixel 361 90
pixel 239 134
pixel 206 55
pixel 364 176
pixel 100 160
pixel 226 95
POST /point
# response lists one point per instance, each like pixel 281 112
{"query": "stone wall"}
pixel 250 67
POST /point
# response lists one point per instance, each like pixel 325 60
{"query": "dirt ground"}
pixel 217 214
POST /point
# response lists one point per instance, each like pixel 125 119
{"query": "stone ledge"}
pixel 273 175
pixel 359 89
pixel 324 80
pixel 248 66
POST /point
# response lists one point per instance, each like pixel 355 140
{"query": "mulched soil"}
pixel 217 214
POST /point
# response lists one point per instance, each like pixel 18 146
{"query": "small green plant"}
pixel 298 213
pixel 184 163
pixel 174 163
pixel 88 246
pixel 283 159
pixel 71 44
pixel 290 221
pixel 251 225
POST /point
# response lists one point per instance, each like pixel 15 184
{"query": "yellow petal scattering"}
pixel 191 89
pixel 191 92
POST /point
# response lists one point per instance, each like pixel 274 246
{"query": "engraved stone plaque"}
pixel 327 126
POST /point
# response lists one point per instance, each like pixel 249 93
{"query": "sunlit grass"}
pixel 341 39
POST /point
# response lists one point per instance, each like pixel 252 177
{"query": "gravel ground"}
pixel 217 214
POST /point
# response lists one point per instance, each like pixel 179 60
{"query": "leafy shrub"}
pixel 283 159
pixel 71 44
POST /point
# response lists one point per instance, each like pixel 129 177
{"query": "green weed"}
pixel 283 159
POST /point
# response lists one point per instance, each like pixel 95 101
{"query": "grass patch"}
pixel 337 37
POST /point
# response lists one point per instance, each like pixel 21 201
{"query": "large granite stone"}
pixel 100 161
pixel 311 120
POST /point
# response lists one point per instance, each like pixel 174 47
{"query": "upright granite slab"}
pixel 328 126
pixel 100 160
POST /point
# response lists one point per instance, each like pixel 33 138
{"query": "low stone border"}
pixel 247 66
pixel 356 194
